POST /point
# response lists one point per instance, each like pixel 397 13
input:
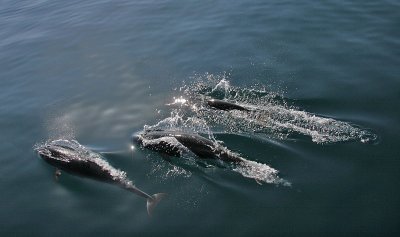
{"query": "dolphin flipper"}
pixel 57 174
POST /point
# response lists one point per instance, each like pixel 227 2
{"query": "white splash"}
pixel 178 121
pixel 320 129
pixel 262 173
pixel 175 171
pixel 179 101
pixel 223 85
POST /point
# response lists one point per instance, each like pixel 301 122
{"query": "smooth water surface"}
pixel 100 71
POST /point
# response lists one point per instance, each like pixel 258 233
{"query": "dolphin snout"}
pixel 136 139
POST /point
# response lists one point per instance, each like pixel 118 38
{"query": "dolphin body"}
pixel 200 146
pixel 70 156
pixel 225 105
pixel 171 141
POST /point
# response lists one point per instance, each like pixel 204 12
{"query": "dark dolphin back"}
pixel 225 105
pixel 199 145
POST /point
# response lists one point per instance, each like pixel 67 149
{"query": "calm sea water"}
pixel 99 71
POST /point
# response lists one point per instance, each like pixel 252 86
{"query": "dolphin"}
pixel 200 146
pixel 72 157
pixel 225 105
pixel 171 141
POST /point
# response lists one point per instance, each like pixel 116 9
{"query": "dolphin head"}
pixel 58 150
pixel 137 138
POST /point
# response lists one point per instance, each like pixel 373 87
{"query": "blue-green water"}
pixel 99 71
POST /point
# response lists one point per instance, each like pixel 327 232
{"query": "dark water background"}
pixel 98 71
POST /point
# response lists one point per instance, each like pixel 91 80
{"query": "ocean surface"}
pixel 321 80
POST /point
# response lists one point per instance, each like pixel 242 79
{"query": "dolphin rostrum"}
pixel 72 157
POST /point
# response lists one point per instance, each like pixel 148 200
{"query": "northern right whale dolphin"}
pixel 225 105
pixel 70 156
pixel 171 141
pixel 201 146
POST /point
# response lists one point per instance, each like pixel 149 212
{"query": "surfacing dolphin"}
pixel 174 142
pixel 70 156
pixel 201 146
pixel 225 105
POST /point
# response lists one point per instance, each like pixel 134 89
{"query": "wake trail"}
pixel 268 113
pixel 262 173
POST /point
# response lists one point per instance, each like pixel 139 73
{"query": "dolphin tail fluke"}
pixel 153 201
